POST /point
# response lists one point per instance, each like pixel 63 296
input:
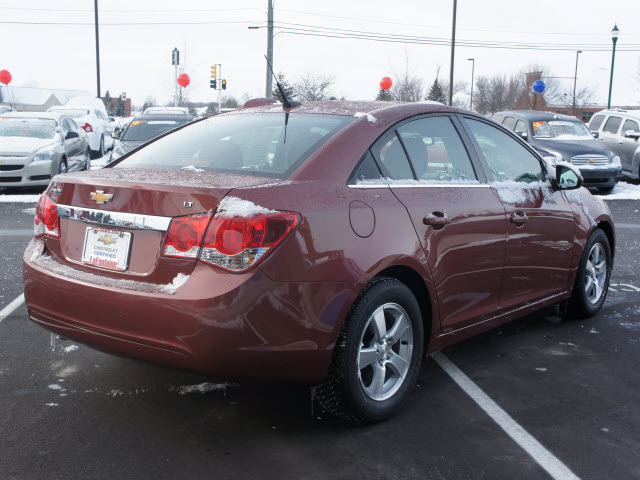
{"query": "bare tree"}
pixel 313 86
pixel 460 92
pixel 407 87
pixel 496 93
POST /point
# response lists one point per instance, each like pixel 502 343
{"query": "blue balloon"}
pixel 538 86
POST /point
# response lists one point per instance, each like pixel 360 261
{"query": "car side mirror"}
pixel 71 135
pixel 524 135
pixel 632 134
pixel 595 134
pixel 116 135
pixel 568 177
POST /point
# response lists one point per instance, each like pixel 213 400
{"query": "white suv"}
pixel 95 123
pixel 619 130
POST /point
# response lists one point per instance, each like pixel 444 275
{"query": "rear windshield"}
pixel 264 144
pixel 143 130
pixel 73 113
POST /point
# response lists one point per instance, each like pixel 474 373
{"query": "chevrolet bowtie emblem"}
pixel 106 239
pixel 100 197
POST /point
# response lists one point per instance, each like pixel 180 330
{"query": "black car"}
pixel 563 138
pixel 144 128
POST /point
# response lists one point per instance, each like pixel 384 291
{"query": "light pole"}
pixel 269 86
pixel 473 67
pixel 575 81
pixel 95 7
pixel 453 49
pixel 614 36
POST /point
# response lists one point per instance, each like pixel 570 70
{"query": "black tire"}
pixel 100 152
pixel 62 168
pixel 606 189
pixel 343 393
pixel 87 160
pixel 579 304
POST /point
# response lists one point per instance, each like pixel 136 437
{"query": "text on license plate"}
pixel 106 248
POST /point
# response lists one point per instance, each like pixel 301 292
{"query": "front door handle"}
pixel 519 218
pixel 436 219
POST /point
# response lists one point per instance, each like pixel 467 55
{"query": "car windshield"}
pixel 561 130
pixel 28 127
pixel 143 130
pixel 73 113
pixel 273 144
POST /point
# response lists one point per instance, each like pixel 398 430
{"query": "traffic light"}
pixel 212 84
pixel 214 71
pixel 224 84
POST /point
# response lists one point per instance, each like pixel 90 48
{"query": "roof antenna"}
pixel 285 101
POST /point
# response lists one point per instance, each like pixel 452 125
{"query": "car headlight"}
pixel 552 158
pixel 45 156
pixel 615 160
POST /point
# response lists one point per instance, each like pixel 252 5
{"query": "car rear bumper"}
pixel 601 177
pixel 219 324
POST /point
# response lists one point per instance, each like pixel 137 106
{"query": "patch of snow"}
pixel 55 386
pixel 512 192
pixel 231 207
pixel 30 211
pixel 19 199
pixel 570 137
pixel 198 388
pixel 391 181
pixel 70 348
pixel 191 168
pixel 593 330
pixel 115 393
pixel 370 118
pixel 101 162
pixel 51 404
pixel 623 191
pixel 37 248
pixel 541 369
pixel 48 263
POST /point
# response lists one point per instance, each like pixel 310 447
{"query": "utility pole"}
pixel 175 61
pixel 453 49
pixel 95 6
pixel 575 81
pixel 473 67
pixel 269 88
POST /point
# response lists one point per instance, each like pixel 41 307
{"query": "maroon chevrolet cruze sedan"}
pixel 332 244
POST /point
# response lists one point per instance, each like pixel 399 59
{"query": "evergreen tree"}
pixel 212 109
pixel 384 95
pixel 108 104
pixel 288 89
pixel 145 105
pixel 436 94
pixel 120 108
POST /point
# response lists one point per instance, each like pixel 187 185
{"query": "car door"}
pixel 458 219
pixel 609 134
pixel 629 145
pixel 72 146
pixel 540 224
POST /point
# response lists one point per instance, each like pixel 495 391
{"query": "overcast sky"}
pixel 136 58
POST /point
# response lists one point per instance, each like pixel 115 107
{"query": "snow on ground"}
pixel 623 191
pixel 19 199
pixel 98 163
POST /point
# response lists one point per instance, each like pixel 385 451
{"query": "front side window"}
pixel 507 159
pixel 264 144
pixel 509 122
pixel 612 125
pixel 521 127
pixel 596 121
pixel 391 159
pixel 436 150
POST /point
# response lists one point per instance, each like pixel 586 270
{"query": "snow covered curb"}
pixel 623 191
pixel 48 263
pixel 231 207
pixel 19 198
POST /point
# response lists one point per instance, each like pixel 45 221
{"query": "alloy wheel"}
pixel 595 273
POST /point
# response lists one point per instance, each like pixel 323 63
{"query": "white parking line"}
pixel 541 455
pixel 8 310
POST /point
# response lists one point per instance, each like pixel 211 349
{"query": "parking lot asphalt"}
pixel 73 412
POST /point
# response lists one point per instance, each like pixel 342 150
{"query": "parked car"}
pixel 561 138
pixel 619 130
pixel 168 111
pixel 331 244
pixel 5 109
pixel 36 146
pixel 144 128
pixel 95 123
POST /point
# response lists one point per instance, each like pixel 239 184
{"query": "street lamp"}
pixel 614 36
pixel 473 67
pixel 575 81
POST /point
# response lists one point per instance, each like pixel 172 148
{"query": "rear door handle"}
pixel 519 218
pixel 436 218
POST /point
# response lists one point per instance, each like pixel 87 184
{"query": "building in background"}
pixel 31 99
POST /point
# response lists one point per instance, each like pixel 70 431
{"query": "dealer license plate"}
pixel 106 248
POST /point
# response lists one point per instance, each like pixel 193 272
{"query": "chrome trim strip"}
pixel 423 185
pixel 114 219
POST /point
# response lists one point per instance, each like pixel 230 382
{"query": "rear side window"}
pixel 612 125
pixel 265 144
pixel 507 159
pixel 596 121
pixel 436 150
pixel 630 125
pixel 391 158
pixel 365 170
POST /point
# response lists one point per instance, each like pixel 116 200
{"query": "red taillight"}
pixel 46 220
pixel 236 244
pixel 87 128
pixel 185 236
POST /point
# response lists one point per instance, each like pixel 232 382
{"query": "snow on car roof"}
pixel 43 115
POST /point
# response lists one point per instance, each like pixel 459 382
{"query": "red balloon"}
pixel 385 83
pixel 5 77
pixel 183 80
